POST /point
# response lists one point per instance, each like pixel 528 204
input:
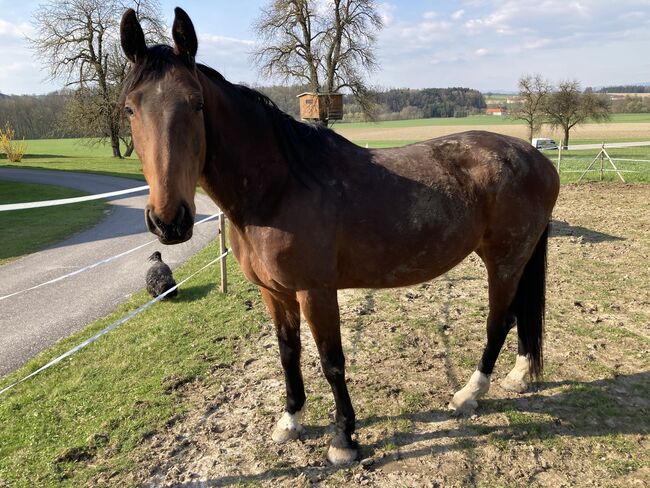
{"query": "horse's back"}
pixel 416 211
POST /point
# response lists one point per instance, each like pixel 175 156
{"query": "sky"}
pixel 482 44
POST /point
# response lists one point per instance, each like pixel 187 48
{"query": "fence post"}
pixel 222 249
pixel 559 158
pixel 602 161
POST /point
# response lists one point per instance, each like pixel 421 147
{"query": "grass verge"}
pixel 82 418
pixel 34 229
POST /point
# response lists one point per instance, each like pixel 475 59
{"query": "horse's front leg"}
pixel 321 309
pixel 285 312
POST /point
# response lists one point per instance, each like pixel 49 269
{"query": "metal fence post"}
pixel 222 249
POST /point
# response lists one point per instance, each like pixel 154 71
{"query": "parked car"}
pixel 542 143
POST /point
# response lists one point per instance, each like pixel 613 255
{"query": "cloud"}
pixel 489 43
pixel 458 14
pixel 9 29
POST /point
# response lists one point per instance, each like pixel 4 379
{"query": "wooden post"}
pixel 222 249
pixel 559 158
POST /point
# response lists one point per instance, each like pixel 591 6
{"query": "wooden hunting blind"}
pixel 321 106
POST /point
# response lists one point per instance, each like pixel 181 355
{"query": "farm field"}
pixel 609 132
pixel 77 155
pixel 190 390
pixel 34 229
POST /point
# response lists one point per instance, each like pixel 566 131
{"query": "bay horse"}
pixel 312 213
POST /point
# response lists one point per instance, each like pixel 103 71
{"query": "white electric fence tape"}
pixel 65 201
pixel 94 265
pixel 111 327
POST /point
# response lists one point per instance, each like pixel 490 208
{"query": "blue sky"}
pixel 484 44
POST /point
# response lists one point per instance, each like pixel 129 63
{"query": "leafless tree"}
pixel 534 91
pixel 79 42
pixel 568 107
pixel 325 44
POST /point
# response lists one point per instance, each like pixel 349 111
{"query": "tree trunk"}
pixel 566 138
pixel 530 133
pixel 115 144
pixel 129 150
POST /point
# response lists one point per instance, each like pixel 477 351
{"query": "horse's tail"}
pixel 529 305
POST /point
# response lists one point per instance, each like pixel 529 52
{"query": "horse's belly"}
pixel 407 258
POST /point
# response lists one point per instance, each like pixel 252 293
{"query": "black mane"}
pixel 306 147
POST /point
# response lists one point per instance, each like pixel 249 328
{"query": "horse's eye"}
pixel 128 111
pixel 199 106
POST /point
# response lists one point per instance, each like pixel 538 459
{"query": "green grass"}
pixel 574 162
pixel 76 155
pixel 83 417
pixel 27 231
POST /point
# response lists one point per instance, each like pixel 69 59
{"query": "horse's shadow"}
pixel 619 405
pixel 559 228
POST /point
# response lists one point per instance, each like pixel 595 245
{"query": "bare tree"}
pixel 328 46
pixel 568 107
pixel 534 91
pixel 79 42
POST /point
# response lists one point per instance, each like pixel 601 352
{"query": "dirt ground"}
pixel 408 350
pixel 614 131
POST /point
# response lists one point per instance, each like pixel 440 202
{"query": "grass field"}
pixel 189 390
pixel 76 155
pixel 474 120
pixel 26 231
pixel 79 155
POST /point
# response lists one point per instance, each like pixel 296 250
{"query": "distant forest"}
pixel 625 89
pixel 42 116
pixel 393 104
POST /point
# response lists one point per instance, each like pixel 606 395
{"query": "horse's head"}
pixel 163 100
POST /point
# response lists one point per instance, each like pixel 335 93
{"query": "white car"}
pixel 542 143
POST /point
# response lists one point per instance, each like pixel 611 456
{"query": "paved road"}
pixel 608 145
pixel 32 321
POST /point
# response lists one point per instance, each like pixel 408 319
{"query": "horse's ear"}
pixel 132 37
pixel 184 36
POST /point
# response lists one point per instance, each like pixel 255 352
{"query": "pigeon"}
pixel 159 277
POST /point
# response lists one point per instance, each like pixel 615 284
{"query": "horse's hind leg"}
pixel 516 278
pixel 285 312
pixel 500 320
pixel 320 308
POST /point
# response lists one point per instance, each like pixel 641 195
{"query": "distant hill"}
pixel 2 95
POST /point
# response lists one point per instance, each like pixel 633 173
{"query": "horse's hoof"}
pixel 340 456
pixel 462 407
pixel 514 385
pixel 288 428
pixel 281 435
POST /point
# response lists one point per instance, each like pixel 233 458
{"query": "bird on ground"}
pixel 159 277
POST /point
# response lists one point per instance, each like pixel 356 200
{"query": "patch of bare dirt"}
pixel 409 350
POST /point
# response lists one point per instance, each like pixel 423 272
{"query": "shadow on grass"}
pixel 48 156
pixel 560 228
pixel 620 405
pixel 193 293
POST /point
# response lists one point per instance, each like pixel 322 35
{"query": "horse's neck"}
pixel 244 169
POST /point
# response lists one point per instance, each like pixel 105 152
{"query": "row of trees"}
pixel 37 117
pixel 77 113
pixel 565 106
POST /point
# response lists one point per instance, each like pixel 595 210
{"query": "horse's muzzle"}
pixel 177 231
